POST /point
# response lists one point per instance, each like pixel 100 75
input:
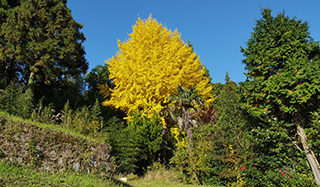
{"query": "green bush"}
pixel 17 101
pixel 86 120
pixel 194 166
pixel 313 133
pixel 43 114
pixel 149 137
pixel 275 148
pixel 229 137
pixel 123 146
pixel 278 177
pixel 136 145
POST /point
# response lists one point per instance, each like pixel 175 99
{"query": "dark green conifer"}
pixel 44 39
pixel 283 75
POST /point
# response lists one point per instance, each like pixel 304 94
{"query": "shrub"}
pixel 279 177
pixel 43 114
pixel 123 145
pixel 17 101
pixel 86 120
pixel 136 145
pixel 194 166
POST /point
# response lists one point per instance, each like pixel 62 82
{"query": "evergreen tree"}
pixel 228 135
pixel 9 68
pixel 283 78
pixel 230 117
pixel 46 42
pixel 123 146
pixel 96 81
pixel 97 78
pixel 137 145
pixel 148 133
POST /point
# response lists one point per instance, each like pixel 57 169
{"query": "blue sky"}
pixel 216 29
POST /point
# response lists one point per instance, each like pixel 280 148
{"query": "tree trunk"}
pixel 31 78
pixel 309 153
pixel 186 119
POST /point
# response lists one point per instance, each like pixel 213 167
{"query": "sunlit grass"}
pixel 158 183
pixel 47 126
pixel 13 175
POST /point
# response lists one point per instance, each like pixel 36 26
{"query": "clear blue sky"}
pixel 216 29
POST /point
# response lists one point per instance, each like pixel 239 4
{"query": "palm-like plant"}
pixel 187 104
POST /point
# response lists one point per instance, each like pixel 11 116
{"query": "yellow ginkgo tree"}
pixel 148 67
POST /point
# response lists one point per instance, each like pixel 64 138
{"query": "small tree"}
pixel 283 75
pixel 148 133
pixel 229 136
pixel 136 145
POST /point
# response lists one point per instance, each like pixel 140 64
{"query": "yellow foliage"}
pixel 231 150
pixel 240 182
pixel 149 66
pixel 180 137
pixel 93 127
pixel 104 89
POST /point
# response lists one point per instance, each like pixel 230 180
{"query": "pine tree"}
pixel 283 75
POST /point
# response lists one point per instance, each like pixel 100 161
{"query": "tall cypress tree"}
pixel 283 76
pixel 45 40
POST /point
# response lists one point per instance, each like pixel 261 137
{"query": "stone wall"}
pixel 50 150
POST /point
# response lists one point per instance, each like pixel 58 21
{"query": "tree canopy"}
pixel 282 63
pixel 283 75
pixel 149 66
pixel 44 40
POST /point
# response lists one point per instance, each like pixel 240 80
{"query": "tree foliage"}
pixel 282 63
pixel 148 133
pixel 188 102
pixel 283 82
pixel 16 101
pixel 9 69
pixel 44 40
pixel 230 137
pixel 137 145
pixel 194 166
pixel 149 66
pixel 98 78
